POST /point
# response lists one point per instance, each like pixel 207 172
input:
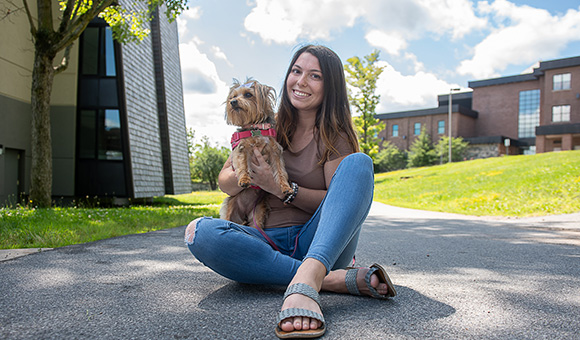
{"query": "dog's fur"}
pixel 249 104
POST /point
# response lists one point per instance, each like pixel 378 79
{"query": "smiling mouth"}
pixel 300 93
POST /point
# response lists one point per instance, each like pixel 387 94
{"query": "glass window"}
pixel 561 81
pixel 561 113
pixel 110 135
pixel 109 53
pixel 87 134
pixel 441 127
pixel 90 43
pixel 529 113
pixel 395 130
pixel 417 129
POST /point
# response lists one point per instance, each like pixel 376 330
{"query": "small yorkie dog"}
pixel 250 106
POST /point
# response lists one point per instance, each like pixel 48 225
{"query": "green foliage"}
pixel 128 25
pixel 390 158
pixel 523 185
pixel 208 161
pixel 458 148
pixel 422 152
pixel 362 76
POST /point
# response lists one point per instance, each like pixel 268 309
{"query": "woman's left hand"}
pixel 262 176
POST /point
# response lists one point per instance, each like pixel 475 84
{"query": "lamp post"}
pixel 450 113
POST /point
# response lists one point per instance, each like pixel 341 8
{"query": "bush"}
pixel 458 149
pixel 390 158
pixel 422 152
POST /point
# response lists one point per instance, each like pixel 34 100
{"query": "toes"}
pixel 298 322
pixel 314 324
pixel 287 325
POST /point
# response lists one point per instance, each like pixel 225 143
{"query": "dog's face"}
pixel 250 103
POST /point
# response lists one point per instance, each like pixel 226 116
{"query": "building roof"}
pixel 456 108
pixel 538 71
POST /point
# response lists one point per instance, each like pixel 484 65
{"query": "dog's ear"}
pixel 266 98
pixel 235 84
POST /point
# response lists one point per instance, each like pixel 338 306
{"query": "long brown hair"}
pixel 333 119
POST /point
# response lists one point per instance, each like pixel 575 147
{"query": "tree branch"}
pixel 65 59
pixel 67 15
pixel 78 24
pixel 30 19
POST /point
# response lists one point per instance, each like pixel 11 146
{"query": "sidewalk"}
pixel 457 277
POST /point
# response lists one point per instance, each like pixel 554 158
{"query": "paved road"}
pixel 457 277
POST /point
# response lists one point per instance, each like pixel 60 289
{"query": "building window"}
pixel 561 81
pixel 529 113
pixel 395 130
pixel 561 113
pixel 100 164
pixel 441 127
pixel 417 129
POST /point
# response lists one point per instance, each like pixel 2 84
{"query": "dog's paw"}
pixel 244 181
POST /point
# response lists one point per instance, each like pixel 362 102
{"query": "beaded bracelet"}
pixel 290 197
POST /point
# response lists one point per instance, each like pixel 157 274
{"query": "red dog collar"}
pixel 238 136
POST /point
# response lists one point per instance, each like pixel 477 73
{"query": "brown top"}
pixel 302 168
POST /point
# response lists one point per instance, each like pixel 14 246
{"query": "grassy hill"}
pixel 533 185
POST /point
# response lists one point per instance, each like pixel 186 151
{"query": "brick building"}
pixel 117 115
pixel 522 114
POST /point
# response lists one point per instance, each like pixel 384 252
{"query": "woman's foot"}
pixel 311 272
pixel 336 280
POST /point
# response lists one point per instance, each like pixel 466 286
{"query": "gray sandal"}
pixel 374 269
pixel 306 290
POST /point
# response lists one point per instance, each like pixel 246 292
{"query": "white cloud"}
pixel 392 43
pixel 402 92
pixel 218 53
pixel 390 23
pixel 204 94
pixel 284 22
pixel 190 14
pixel 522 34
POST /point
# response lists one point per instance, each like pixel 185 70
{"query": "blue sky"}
pixel 426 46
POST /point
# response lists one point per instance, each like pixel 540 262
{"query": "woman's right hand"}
pixel 227 180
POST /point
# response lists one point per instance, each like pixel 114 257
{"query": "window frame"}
pixel 395 130
pixel 559 83
pixel 439 127
pixel 415 126
pixel 561 113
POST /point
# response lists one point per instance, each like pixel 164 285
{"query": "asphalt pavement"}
pixel 457 277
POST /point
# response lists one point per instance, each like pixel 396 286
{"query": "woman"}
pixel 308 240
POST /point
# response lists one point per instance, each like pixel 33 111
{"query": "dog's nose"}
pixel 234 103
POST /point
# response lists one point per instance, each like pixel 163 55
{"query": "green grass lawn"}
pixel 535 185
pixel 57 227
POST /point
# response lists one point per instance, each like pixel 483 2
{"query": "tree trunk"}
pixel 41 170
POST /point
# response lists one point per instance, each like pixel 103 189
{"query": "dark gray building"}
pixel 117 115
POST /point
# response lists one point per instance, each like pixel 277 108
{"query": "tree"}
pixel 362 77
pixel 390 158
pixel 458 148
pixel 208 162
pixel 422 152
pixel 127 26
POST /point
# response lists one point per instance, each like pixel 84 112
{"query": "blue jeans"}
pixel 242 254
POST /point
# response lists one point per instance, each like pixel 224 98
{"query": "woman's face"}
pixel 305 84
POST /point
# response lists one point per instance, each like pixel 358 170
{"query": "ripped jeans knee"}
pixel 190 231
